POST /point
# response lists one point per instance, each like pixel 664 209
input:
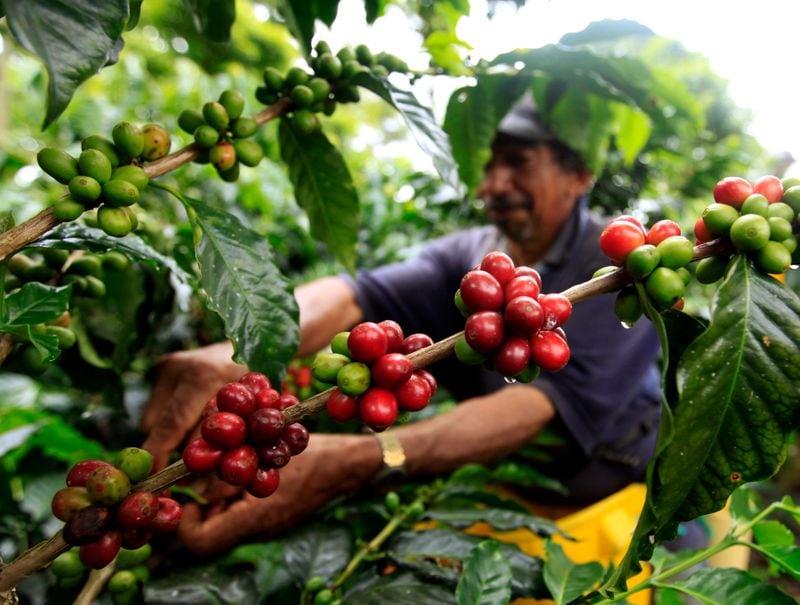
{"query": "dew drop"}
pixel 794 267
pixel 626 325
pixel 509 380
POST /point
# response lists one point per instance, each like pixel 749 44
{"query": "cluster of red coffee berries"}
pixel 245 436
pixel 374 378
pixel 102 514
pixel 106 174
pixel 510 325
pixel 759 219
pixel 224 134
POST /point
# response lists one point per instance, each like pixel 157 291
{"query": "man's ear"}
pixel 584 179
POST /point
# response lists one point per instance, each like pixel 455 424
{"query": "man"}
pixel 604 403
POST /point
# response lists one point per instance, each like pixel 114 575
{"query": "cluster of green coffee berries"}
pixel 106 175
pixel 657 257
pixel 330 82
pixel 125 583
pixel 759 219
pixel 224 134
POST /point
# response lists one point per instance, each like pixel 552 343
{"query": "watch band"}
pixel 394 459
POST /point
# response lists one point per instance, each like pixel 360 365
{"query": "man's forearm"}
pixel 479 430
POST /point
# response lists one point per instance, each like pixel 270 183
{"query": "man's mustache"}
pixel 505 203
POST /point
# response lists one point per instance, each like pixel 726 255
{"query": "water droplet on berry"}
pixel 794 267
pixel 626 325
pixel 509 380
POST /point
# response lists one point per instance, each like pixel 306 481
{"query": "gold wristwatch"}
pixel 394 459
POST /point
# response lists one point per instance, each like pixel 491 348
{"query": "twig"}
pixel 94 585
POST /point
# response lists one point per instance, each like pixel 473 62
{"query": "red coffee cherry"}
pixel 394 334
pixel 341 407
pixel 629 218
pixel 135 538
pixel 414 394
pixel 701 232
pixel 661 231
pixel 137 510
pixel 264 483
pixel 255 381
pixel 619 238
pixel 237 399
pixel 378 409
pixel 199 456
pixel 484 330
pixel 522 285
pixel 523 315
pixel 391 370
pixel 287 400
pixel 168 516
pixel 429 378
pixel 499 265
pixel 210 408
pixel 480 291
pixel 267 398
pixel 549 351
pixel 557 310
pixel 238 466
pixel 265 425
pixel 512 357
pixel 296 437
pixel 525 271
pixel 770 187
pixel 100 553
pixel 68 501
pixel 415 342
pixel 79 472
pixel 224 430
pixel 275 455
pixel 367 342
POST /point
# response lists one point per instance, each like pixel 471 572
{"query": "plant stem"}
pixel 94 585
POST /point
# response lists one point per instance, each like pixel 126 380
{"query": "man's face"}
pixel 528 195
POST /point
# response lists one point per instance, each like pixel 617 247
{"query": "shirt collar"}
pixel 559 251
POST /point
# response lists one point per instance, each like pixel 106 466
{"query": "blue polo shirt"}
pixel 610 387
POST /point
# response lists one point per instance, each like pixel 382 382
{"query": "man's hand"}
pixel 184 382
pixel 331 465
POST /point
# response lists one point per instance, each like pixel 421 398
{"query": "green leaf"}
pixel 374 9
pixel 499 519
pixel 486 577
pixel 738 385
pixel 6 221
pixel 436 553
pixel 473 114
pixel 324 188
pixel 135 7
pixel 299 16
pixel 566 580
pixel 38 495
pixel 204 585
pixel 773 533
pixel 271 573
pixel 785 557
pixel 745 504
pixel 317 550
pixel 213 18
pixel 723 586
pixel 397 589
pixel 74 39
pixel 246 289
pixel 443 48
pixel 632 132
pixel 325 10
pixel 427 133
pixel 462 495
pixel 35 303
pixel 606 30
pixel 514 473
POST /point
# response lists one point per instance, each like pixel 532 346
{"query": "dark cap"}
pixel 524 122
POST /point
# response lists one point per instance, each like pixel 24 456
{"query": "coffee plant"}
pixel 729 378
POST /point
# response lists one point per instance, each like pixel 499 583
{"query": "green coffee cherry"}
pixel 32 360
pixel 266 96
pixel 755 204
pixel 642 260
pixel 339 344
pixel 364 55
pixel 749 232
pixel 216 115
pixel 790 243
pixel 122 581
pixel 302 95
pixel 133 174
pixel 114 221
pixel 244 127
pixel 84 189
pixel 685 274
pixel 347 94
pixel 327 365
pixel 350 69
pixel 329 67
pixel 129 139
pixel 115 261
pixel 55 257
pixel 379 71
pixel 627 306
pixel 529 374
pixel 460 305
pixel 322 48
pixel 231 174
pixel 773 257
pixel 95 287
pixel 206 136
pixel 67 564
pixel 248 152
pixel 103 145
pixel 68 210
pixel 117 192
pixel 294 77
pixel 156 142
pixel 353 378
pixel 781 210
pixel 604 271
pixel 38 272
pixel 130 558
pixel 346 54
pixel 305 121
pixel 132 217
pixel 779 228
pixel 223 156
pixel 273 79
pixel 710 269
pixel 315 584
pixel 233 102
pixel 676 251
pixel 86 264
pixel 190 120
pixel 664 286
pixel 718 218
pixel 136 463
pixel 58 164
pixel 320 88
pixel 791 196
pixel 392 501
pixel 95 164
pixel 466 354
